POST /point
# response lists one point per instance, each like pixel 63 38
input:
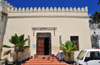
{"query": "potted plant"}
pixel 17 41
pixel 67 48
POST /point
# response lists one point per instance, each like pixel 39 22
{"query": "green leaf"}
pixel 99 2
pixel 62 47
pixel 68 47
pixel 68 44
pixel 10 41
pixel 26 47
pixel 25 39
pixel 13 40
pixel 6 52
pixel 21 38
pixel 16 36
pixel 19 44
pixel 6 46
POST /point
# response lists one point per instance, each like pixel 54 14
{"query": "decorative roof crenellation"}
pixel 12 9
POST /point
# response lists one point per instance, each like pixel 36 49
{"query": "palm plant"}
pixel 68 48
pixel 95 16
pixel 17 41
pixel 99 2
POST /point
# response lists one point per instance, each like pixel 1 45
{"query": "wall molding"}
pixel 12 9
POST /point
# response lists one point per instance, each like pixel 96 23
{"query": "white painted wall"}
pixel 65 26
pixel 69 22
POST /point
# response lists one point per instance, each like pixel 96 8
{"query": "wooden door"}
pixel 40 45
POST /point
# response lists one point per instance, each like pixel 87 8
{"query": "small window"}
pixel 75 39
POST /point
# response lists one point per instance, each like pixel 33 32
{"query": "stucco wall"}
pixel 66 26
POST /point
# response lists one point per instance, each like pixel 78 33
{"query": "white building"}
pixel 45 26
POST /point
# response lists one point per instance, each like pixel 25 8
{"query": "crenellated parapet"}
pixel 12 9
pixel 47 12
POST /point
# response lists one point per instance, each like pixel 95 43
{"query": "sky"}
pixel 92 4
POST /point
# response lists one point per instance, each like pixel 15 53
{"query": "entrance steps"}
pixel 44 60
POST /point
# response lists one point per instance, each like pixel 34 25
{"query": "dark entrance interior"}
pixel 46 46
pixel 43 44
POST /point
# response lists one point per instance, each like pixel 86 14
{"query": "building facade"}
pixel 47 28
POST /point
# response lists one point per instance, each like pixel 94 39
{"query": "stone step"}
pixel 45 64
pixel 46 58
pixel 43 60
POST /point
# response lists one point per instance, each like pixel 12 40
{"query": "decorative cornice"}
pixel 47 16
pixel 12 9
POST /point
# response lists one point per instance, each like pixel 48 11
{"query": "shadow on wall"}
pixel 66 58
pixel 22 56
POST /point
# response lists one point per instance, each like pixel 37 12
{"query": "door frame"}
pixel 44 35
